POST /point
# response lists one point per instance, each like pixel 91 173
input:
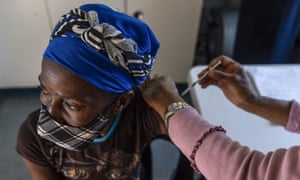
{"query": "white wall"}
pixel 26 26
pixel 24 33
pixel 175 23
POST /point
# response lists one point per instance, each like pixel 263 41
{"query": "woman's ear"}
pixel 124 99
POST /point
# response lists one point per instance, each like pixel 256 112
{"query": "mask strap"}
pixel 110 131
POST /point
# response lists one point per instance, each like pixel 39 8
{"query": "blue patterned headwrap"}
pixel 109 49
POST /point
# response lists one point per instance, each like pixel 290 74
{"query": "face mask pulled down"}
pixel 68 137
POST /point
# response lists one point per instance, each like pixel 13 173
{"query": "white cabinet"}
pixel 24 33
pixel 175 22
pixel 26 26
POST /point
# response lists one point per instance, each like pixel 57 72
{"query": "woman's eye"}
pixel 71 107
pixel 45 92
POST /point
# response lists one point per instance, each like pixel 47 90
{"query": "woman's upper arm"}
pixel 39 172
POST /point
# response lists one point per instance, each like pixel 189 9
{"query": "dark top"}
pixel 117 158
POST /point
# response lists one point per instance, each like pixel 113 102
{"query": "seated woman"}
pixel 93 122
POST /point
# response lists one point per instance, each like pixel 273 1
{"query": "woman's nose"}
pixel 54 108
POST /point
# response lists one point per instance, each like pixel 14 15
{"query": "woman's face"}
pixel 68 98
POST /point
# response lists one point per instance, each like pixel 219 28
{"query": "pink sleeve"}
pixel 221 158
pixel 294 118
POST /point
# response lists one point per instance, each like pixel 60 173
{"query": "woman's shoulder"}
pixel 29 144
pixel 27 129
pixel 27 133
pixel 30 122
